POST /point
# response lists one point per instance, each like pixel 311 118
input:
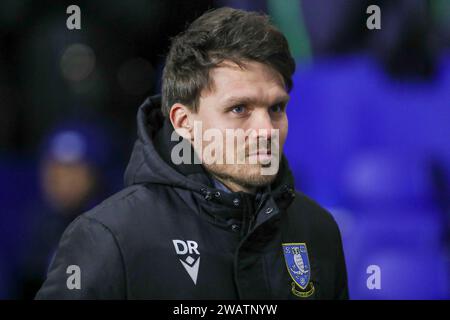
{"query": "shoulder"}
pixel 127 204
pixel 134 211
pixel 307 214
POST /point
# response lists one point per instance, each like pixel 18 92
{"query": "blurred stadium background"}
pixel 369 134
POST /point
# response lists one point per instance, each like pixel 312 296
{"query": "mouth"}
pixel 261 153
pixel 262 157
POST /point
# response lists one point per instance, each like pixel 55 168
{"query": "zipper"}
pixel 252 210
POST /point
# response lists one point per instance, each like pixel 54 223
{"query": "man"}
pixel 71 166
pixel 201 229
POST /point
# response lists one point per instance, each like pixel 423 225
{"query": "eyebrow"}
pixel 249 100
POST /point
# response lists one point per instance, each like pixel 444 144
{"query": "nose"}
pixel 262 121
pixel 261 129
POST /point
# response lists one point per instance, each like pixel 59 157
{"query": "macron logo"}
pixel 189 256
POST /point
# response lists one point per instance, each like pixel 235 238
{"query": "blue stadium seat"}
pixel 405 273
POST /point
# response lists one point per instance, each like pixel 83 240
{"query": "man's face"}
pixel 66 186
pixel 252 99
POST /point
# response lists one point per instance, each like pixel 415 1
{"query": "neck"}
pixel 235 187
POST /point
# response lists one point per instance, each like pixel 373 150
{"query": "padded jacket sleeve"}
pixel 87 265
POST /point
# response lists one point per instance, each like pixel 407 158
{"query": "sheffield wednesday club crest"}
pixel 297 263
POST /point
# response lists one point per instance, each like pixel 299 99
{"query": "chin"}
pixel 244 175
pixel 258 180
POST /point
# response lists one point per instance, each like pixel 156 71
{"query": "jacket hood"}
pixel 151 163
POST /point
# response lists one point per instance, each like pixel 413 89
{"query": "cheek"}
pixel 210 118
pixel 283 130
pixel 217 124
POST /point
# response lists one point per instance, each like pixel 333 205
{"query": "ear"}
pixel 180 117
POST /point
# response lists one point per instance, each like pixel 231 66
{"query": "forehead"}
pixel 255 80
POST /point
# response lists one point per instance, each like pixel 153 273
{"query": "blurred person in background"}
pixel 73 158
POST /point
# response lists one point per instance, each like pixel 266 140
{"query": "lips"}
pixel 261 152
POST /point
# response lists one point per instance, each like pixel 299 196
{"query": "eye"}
pixel 277 108
pixel 239 109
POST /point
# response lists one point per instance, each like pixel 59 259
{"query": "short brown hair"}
pixel 218 35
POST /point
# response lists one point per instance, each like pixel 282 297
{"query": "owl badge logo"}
pixel 297 263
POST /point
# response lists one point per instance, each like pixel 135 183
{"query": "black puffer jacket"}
pixel 171 235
